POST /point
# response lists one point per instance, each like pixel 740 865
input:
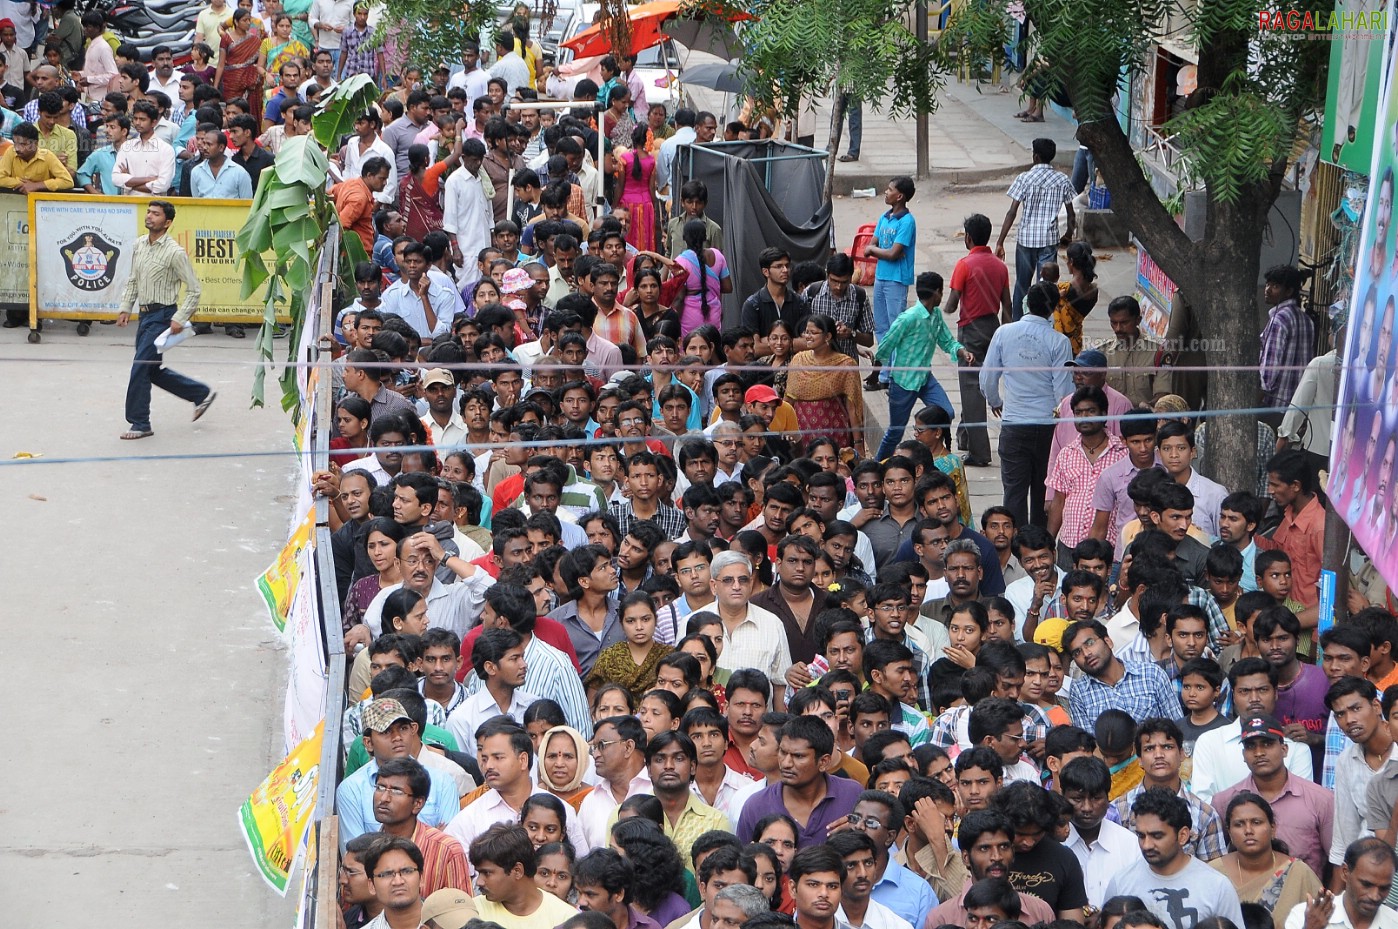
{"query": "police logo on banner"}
pixel 90 260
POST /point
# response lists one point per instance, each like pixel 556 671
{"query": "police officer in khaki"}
pixel 1133 349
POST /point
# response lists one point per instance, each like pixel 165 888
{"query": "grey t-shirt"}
pixel 1183 899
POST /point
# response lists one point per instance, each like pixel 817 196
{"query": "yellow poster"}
pixel 278 583
pixel 276 818
pixel 80 255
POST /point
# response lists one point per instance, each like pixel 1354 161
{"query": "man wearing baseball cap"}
pixel 443 418
pixel 1089 369
pixel 448 908
pixel 389 732
pixel 1304 811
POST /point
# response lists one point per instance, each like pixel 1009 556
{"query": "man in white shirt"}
pixel 466 213
pixel 858 909
pixel 1037 553
pixel 1365 880
pixel 473 78
pixel 146 164
pixel 456 607
pixel 619 758
pixel 1218 753
pixel 505 755
pixel 1100 845
pixel 364 144
pixel 498 657
pixel 164 78
pixel 509 66
pixel 755 637
pixel 684 135
pixel 328 21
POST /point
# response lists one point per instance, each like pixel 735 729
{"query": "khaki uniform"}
pixel 1139 386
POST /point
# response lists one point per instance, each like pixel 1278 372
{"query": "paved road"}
pixel 143 678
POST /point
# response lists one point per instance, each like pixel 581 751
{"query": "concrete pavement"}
pixel 144 679
pixel 973 136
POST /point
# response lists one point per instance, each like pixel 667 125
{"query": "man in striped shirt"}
pixel 159 265
pixel 400 792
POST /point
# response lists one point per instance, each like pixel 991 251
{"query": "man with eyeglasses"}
pixel 389 733
pixel 754 637
pixel 395 867
pixel 618 750
pixel 355 885
pixel 456 607
pixel 879 815
pixel 399 795
pixel 1140 690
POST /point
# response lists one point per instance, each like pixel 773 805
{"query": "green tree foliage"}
pixel 288 220
pixel 435 32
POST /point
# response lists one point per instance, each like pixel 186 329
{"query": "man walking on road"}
pixel 980 289
pixel 158 266
pixel 1041 191
pixel 894 245
pixel 1028 357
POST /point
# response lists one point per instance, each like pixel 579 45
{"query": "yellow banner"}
pixel 80 255
pixel 279 582
pixel 276 818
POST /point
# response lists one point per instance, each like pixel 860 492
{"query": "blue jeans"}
pixel 890 299
pixel 900 406
pixel 1027 261
pixel 854 111
pixel 1083 169
pixel 146 370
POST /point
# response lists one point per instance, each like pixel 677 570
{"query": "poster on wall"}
pixel 1363 483
pixel 1358 31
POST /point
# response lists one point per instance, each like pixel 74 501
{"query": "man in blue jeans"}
pixel 895 239
pixel 1041 191
pixel 1029 359
pixel 159 265
pixel 915 336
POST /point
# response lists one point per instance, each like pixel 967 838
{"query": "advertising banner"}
pixel 1357 31
pixel 1154 291
pixel 276 817
pixel 1363 484
pixel 14 250
pixel 278 584
pixel 80 255
pixel 307 683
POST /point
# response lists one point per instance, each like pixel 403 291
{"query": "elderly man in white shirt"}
pixel 754 637
pixel 456 607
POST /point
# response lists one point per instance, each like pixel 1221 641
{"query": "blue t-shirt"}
pixel 893 230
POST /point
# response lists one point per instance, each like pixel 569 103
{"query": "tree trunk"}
pixel 1216 276
pixel 837 121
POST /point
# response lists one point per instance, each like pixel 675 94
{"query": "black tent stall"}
pixel 764 193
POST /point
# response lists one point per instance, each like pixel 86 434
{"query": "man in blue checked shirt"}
pixel 95 176
pixel 1140 690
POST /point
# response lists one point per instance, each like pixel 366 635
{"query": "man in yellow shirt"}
pixel 54 137
pixel 28 168
pixel 503 857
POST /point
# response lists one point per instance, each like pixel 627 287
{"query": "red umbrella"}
pixel 647 29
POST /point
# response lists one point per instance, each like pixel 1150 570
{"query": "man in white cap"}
pixel 443 418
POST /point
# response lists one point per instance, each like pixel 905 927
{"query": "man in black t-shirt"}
pixel 1042 866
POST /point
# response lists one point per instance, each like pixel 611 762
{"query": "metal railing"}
pixel 319 901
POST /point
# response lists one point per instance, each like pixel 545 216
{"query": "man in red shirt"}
pixel 354 200
pixel 980 289
pixel 1291 483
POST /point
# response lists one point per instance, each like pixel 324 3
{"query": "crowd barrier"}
pixel 290 818
pixel 67 256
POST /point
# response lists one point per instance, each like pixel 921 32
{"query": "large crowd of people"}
pixel 643 635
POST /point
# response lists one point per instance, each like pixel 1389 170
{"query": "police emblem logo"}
pixel 90 261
